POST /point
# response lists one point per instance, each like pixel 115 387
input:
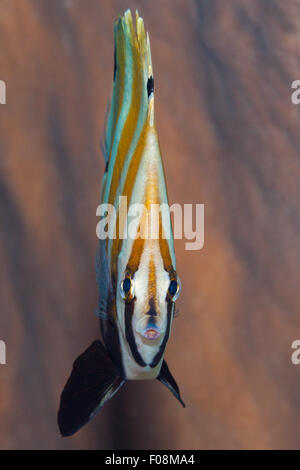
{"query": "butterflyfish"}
pixel 136 276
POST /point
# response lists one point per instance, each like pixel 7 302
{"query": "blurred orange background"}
pixel 230 138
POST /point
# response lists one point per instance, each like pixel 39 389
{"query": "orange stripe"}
pixel 128 187
pixel 152 280
pixel 120 80
pixel 135 257
pixel 164 250
pixel 130 124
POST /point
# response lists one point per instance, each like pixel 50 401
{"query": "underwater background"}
pixel 230 138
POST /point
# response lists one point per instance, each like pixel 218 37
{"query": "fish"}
pixel 136 276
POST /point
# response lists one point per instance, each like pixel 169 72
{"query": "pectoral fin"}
pixel 93 381
pixel 166 378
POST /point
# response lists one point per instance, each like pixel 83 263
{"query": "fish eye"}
pixel 126 285
pixel 126 288
pixel 174 289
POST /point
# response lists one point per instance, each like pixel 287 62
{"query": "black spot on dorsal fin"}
pixel 150 86
pixel 115 63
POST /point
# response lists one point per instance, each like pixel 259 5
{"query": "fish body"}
pixel 136 272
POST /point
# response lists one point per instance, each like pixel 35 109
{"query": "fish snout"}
pixel 151 332
pixel 149 326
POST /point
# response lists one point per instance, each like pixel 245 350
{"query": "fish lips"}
pixel 151 332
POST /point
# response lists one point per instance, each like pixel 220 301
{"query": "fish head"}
pixel 147 298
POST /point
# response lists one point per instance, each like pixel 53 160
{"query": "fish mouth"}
pixel 151 332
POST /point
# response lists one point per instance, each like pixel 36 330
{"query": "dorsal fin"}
pixel 132 74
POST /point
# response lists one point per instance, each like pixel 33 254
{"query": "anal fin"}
pixel 93 381
pixel 166 378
